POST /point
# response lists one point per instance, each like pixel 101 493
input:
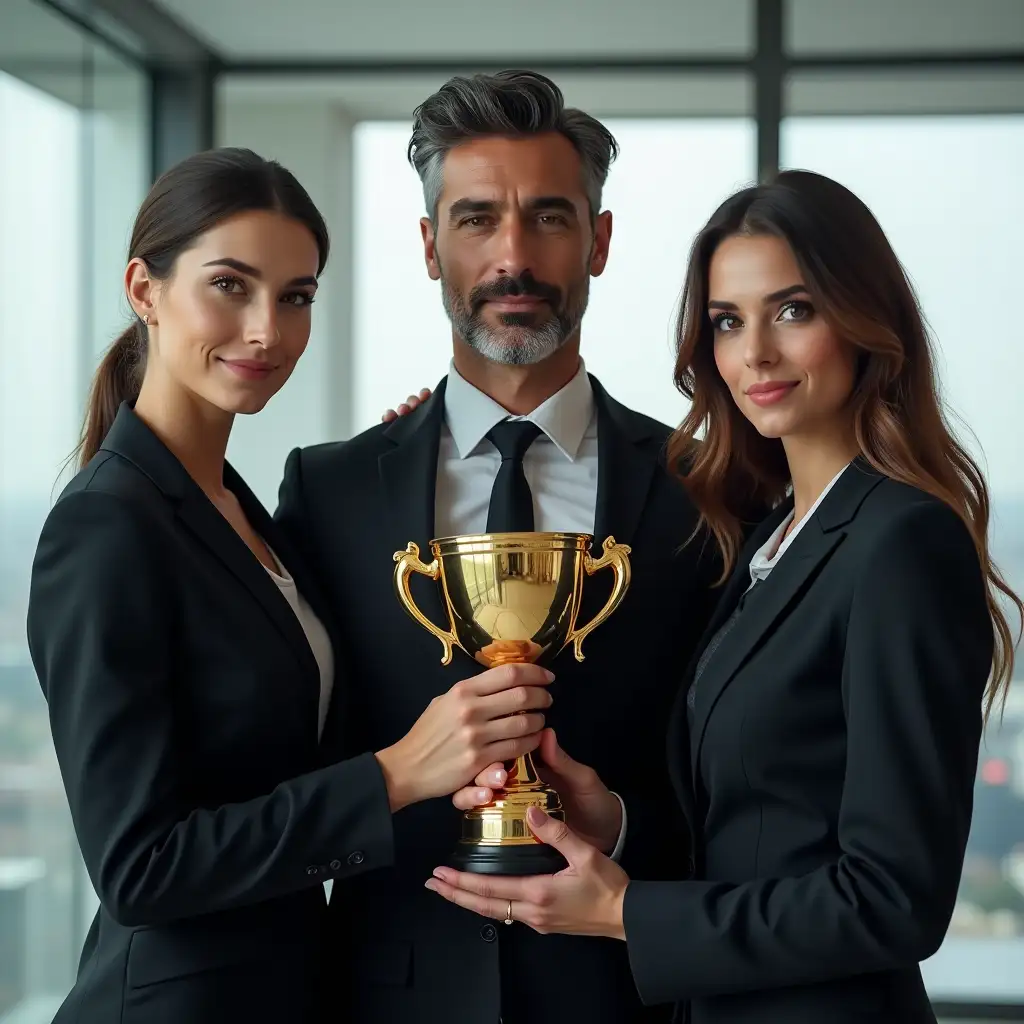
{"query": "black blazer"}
pixel 837 730
pixel 183 702
pixel 412 956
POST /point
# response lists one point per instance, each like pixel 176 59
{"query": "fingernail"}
pixel 500 776
pixel 549 675
pixel 431 885
pixel 440 873
pixel 536 816
pixel 483 796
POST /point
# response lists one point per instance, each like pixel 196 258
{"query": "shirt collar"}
pixel 563 418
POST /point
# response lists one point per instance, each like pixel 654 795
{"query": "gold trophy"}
pixel 511 597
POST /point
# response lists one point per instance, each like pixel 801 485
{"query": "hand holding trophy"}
pixel 494 716
pixel 511 598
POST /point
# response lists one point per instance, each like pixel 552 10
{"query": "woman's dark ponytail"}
pixel 190 199
pixel 117 380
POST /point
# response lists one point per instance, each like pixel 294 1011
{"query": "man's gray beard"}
pixel 511 345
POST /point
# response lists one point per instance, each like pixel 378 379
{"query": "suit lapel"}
pixel 198 513
pixel 625 468
pixel 284 617
pixel 679 739
pixel 408 476
pixel 132 439
pixel 784 587
pixel 738 582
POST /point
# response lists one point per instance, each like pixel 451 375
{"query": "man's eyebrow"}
pixel 552 203
pixel 470 207
pixel 467 207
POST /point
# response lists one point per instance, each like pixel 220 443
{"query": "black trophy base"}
pixel 514 859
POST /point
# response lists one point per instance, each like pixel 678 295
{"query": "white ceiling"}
pixel 403 29
pixel 473 33
pixel 299 30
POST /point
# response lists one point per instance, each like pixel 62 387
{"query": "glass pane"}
pixel 43 49
pixel 73 122
pixel 40 310
pixel 670 176
pixel 947 192
pixel 116 182
pixel 818 27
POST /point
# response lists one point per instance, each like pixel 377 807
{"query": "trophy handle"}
pixel 616 556
pixel 408 563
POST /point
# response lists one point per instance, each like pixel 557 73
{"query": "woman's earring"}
pixel 145 319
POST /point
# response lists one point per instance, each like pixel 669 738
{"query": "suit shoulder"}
pixel 895 499
pixel 900 515
pixel 109 506
pixel 111 479
pixel 641 423
pixel 332 455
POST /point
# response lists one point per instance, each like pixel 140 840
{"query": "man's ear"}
pixel 602 242
pixel 430 248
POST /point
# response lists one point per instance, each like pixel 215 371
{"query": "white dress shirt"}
pixel 560 467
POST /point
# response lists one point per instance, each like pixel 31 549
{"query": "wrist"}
pixel 398 780
pixel 615 921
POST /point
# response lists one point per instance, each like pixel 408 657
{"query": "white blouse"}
pixel 316 635
pixel 768 554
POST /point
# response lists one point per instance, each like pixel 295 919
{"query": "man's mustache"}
pixel 525 284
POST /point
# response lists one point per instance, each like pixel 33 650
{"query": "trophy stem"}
pixel 522 774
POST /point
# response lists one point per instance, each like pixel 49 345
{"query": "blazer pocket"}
pixel 383 964
pixel 156 955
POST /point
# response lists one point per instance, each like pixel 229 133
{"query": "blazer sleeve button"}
pixel 312 870
pixel 335 865
pixel 355 858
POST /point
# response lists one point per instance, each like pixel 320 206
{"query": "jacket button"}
pixel 335 865
pixel 488 933
pixel 312 870
pixel 356 857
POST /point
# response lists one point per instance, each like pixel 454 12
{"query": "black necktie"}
pixel 511 508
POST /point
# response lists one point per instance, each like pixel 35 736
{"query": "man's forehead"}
pixel 494 168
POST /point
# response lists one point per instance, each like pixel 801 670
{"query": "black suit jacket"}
pixel 183 701
pixel 836 740
pixel 411 955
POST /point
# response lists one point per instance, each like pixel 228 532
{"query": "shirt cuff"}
pixel 621 841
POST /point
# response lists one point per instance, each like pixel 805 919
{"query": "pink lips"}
pixel 770 391
pixel 249 369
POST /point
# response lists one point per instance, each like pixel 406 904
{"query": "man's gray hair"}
pixel 510 104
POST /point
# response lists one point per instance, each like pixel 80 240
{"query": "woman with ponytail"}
pixel 186 653
pixel 182 647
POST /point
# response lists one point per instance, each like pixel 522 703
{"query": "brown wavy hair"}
pixel 735 475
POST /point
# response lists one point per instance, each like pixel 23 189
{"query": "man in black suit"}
pixel 518 436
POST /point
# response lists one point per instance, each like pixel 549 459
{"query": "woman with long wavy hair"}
pixel 825 740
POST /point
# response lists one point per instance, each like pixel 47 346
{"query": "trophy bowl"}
pixel 511 597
